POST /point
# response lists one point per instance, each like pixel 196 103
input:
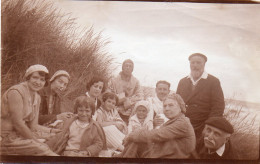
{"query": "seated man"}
pixel 156 103
pixel 127 88
pixel 215 143
pixel 174 139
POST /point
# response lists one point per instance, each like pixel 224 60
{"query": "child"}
pixel 81 136
pixel 108 117
pixel 140 120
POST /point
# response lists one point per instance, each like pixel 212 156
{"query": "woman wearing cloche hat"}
pixel 53 106
pixel 19 116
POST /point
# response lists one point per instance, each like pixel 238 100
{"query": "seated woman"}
pixel 95 87
pixel 108 117
pixel 140 120
pixel 52 105
pixel 20 131
pixel 81 135
pixel 174 139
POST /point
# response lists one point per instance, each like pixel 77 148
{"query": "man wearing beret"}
pixel 215 143
pixel 202 93
pixel 127 88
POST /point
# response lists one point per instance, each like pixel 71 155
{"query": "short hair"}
pixel 178 99
pixel 41 73
pixel 94 80
pixel 163 82
pixel 198 54
pixel 110 95
pixel 83 101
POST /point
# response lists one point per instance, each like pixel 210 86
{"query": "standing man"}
pixel 201 93
pixel 127 88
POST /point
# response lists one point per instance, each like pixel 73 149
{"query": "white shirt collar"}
pixel 203 76
pixel 220 150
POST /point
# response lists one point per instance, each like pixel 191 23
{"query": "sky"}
pixel 160 36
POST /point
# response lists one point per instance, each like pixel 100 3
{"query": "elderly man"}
pixel 127 88
pixel 156 103
pixel 215 143
pixel 201 93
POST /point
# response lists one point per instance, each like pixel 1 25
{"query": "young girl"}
pixel 140 120
pixel 108 117
pixel 81 136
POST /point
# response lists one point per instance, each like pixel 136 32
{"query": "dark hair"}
pixel 163 82
pixel 110 95
pixel 83 101
pixel 41 73
pixel 94 80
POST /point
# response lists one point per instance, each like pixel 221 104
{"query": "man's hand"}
pixel 64 116
pixel 157 121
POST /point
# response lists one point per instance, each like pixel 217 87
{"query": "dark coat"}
pixel 93 139
pixel 205 101
pixel 203 151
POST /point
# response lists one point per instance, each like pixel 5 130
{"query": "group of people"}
pixel 114 120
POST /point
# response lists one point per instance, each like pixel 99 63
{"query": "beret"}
pixel 58 73
pixel 35 68
pixel 220 123
pixel 198 54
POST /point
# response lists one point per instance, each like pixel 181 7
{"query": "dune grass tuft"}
pixel 36 32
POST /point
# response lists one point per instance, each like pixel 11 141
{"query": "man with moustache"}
pixel 202 94
pixel 127 88
pixel 215 140
pixel 156 103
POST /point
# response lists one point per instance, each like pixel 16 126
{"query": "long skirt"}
pixel 114 137
pixel 12 144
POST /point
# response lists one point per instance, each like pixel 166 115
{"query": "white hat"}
pixel 142 103
pixel 58 73
pixel 35 68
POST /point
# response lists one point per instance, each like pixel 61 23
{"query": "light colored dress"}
pixel 113 135
pixel 12 142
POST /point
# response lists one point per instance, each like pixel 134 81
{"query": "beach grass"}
pixel 37 32
pixel 245 139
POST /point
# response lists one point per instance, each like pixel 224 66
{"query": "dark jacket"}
pixel 203 151
pixel 93 139
pixel 205 101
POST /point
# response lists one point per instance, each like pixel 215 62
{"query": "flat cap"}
pixel 198 54
pixel 220 123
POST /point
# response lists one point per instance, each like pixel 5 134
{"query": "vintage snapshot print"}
pixel 129 81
